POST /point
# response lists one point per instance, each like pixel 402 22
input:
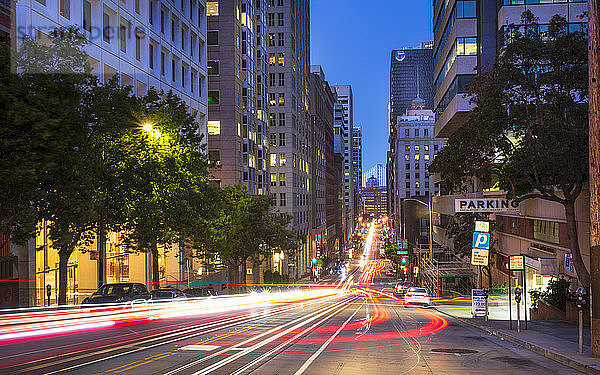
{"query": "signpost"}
pixel 482 226
pixel 481 240
pixel 478 303
pixel 479 257
pixel 486 205
pixel 516 263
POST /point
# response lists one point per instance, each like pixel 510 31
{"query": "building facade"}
pixel 465 44
pixel 158 45
pixel 288 45
pixel 374 199
pixel 378 171
pixel 238 134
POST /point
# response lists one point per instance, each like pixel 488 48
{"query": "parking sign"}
pixel 481 240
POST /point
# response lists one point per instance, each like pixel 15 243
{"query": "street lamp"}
pixel 429 208
pixel 149 128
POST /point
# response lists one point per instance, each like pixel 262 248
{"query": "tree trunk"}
pixel 101 249
pixel 582 272
pixel 63 261
pixel 594 169
pixel 155 271
pixel 243 276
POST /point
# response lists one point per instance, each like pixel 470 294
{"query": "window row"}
pixel 417 148
pixel 416 132
pixel 282 139
pixel 271 19
pixel 282 179
pixel 274 117
pixel 417 185
pixel 416 156
pixel 464 46
pixel 462 9
pixel 417 175
pixel 274 162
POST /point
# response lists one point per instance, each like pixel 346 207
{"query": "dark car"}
pixel 200 292
pixel 167 294
pixel 120 292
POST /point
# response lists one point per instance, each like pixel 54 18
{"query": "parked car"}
pixel 200 292
pixel 167 294
pixel 417 296
pixel 119 292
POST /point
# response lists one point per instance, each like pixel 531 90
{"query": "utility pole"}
pixel 594 170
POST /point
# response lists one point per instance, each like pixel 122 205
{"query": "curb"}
pixel 563 360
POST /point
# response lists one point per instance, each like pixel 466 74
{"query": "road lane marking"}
pixel 324 346
pixel 206 348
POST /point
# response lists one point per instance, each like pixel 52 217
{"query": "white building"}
pixel 159 44
pixel 416 147
pixel 377 171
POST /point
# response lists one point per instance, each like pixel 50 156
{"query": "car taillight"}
pixel 409 295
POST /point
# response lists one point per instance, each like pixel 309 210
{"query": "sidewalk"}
pixel 555 340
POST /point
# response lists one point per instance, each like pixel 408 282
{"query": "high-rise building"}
pixel 321 161
pixel 357 168
pixel 238 134
pixel 416 148
pixel 7 22
pixel 378 171
pixel 288 47
pixel 345 121
pixel 411 75
pixel 374 198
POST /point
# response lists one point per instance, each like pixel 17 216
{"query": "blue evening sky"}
pixel 352 40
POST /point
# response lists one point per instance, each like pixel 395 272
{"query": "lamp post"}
pixel 429 209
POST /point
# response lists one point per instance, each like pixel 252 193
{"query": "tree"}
pixel 531 100
pixel 168 178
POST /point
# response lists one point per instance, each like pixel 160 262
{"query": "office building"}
pixel 238 134
pixel 321 161
pixel 378 171
pixel 374 199
pixel 345 121
pixel 288 45
pixel 357 168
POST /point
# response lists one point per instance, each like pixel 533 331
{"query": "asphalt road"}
pixel 359 331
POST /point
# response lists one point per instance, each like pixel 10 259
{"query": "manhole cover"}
pixel 454 351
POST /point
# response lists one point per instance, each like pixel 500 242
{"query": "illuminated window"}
pixel 272 100
pixel 406 132
pixel 282 159
pixel 426 147
pixel 272 119
pixel 213 97
pixel 273 160
pixel 214 127
pixel 281 59
pixel 407 148
pixel 426 156
pixel 282 179
pixel 271 39
pixel 281 100
pixel 407 157
pixel 417 156
pixel 212 8
pixel 212 67
pixel 417 184
pixel 272 59
pixel 417 148
pixel 273 179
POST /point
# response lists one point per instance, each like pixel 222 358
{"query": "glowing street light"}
pixel 147 127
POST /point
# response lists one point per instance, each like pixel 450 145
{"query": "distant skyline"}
pixel 352 41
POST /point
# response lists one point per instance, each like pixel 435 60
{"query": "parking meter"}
pixel 518 294
pixel 48 292
pixel 581 298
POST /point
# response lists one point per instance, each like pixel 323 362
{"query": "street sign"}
pixel 415 270
pixel 482 226
pixel 486 205
pixel 479 257
pixel 402 252
pixel 534 263
pixel 478 302
pixel 516 262
pixel 481 240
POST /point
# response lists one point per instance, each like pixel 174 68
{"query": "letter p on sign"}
pixel 481 240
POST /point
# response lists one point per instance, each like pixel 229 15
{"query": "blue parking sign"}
pixel 481 240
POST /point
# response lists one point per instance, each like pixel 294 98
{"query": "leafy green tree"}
pixel 528 132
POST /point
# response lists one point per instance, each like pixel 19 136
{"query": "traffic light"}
pixel 404 259
pixel 314 261
pixel 485 292
pixel 581 299
pixel 518 294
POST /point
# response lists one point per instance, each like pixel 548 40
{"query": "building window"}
pixel 407 166
pixel 162 21
pixel 425 132
pixel 417 184
pixel 162 63
pixel 408 185
pixel 173 64
pixel 280 39
pixel 416 132
pixel 417 166
pixel 271 19
pixel 87 15
pixel 426 147
pixel 272 59
pixel 273 179
pixel 282 179
pixel 417 148
pixel 417 175
pixel 406 132
pixel 138 46
pixel 426 156
pixel 212 68
pixel 407 176
pixel 273 139
pixel 546 231
pixel 417 156
pixel 282 159
pixel 271 79
pixel 136 6
pixel 282 119
pixel 214 127
pixel 212 38
pixel 212 8
pixel 65 8
pixel 435 147
pixel 273 160
pixel 215 157
pixel 213 97
pixel 271 39
pixel 281 79
pixel 151 12
pixel 407 148
pixel 281 100
pixel 280 19
pixel 282 200
pixel 123 37
pixel 151 56
pixel 281 59
pixel 272 101
pixel 272 119
pixel 281 139
pixel 106 27
pixel 406 157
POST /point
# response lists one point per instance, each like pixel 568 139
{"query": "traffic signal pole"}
pixel 594 169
